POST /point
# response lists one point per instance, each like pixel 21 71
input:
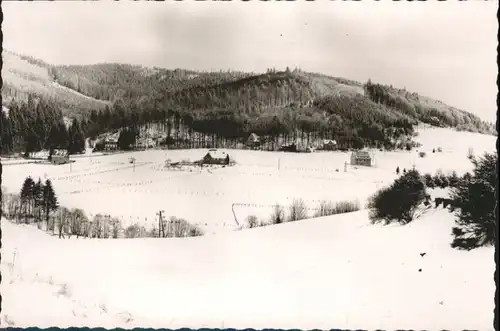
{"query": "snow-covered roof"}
pixel 112 138
pixel 361 154
pixel 60 152
pixel 5 110
pixel 329 141
pixel 216 154
pixel 253 137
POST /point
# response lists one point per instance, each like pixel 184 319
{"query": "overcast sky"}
pixel 445 50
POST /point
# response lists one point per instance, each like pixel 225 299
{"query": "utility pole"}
pixel 160 223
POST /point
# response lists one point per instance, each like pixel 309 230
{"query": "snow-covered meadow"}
pixel 330 272
pixel 111 185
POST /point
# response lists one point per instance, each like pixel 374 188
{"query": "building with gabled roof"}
pixel 215 156
pixel 361 158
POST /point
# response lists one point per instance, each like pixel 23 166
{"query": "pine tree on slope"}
pixel 50 202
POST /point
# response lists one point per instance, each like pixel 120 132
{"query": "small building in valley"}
pixel 59 156
pixel 361 158
pixel 329 145
pixel 253 141
pixel 216 157
pixel 111 142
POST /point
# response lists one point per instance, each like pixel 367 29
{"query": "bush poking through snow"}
pixel 343 207
pixel 134 231
pixel 400 201
pixel 178 228
pixel 421 154
pixel 278 215
pixel 476 205
pixel 297 210
pixel 252 221
pixel 327 208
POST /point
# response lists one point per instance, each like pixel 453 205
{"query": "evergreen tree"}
pixel 399 201
pixel 50 203
pixel 127 138
pixel 476 205
pixel 76 138
pixel 27 194
pixel 38 198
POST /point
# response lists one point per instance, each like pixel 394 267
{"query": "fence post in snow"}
pixel 232 207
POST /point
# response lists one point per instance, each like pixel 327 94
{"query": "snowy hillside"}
pixel 332 272
pixel 259 180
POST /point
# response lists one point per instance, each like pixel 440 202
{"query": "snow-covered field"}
pixel 331 272
pixel 110 185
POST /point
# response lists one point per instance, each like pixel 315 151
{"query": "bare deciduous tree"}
pixel 252 221
pixel 78 220
pixel 325 208
pixel 62 221
pixel 116 227
pixel 297 210
pixel 278 215
pixel 97 226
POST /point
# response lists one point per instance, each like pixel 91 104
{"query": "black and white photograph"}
pixel 249 164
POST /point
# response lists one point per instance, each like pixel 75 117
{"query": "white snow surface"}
pixel 331 272
pixel 108 184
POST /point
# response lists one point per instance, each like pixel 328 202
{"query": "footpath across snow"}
pixel 332 272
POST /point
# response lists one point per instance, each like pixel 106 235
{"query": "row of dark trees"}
pixel 280 106
pixel 327 118
pixel 1 193
pixel 221 108
pixel 473 198
pixel 38 200
pixel 35 125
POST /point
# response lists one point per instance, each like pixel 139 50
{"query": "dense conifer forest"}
pixel 219 107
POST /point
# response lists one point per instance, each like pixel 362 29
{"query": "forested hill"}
pixel 24 75
pixel 229 104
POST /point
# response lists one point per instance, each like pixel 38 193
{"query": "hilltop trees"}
pixel 222 109
pixel 476 205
